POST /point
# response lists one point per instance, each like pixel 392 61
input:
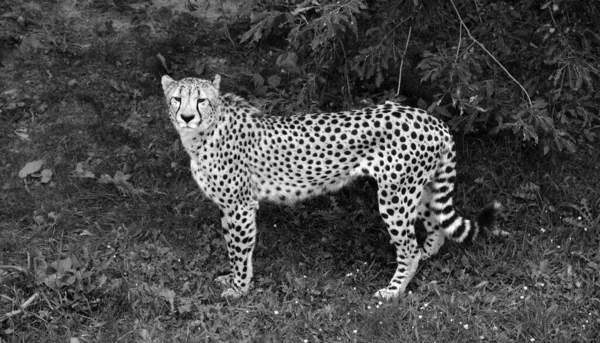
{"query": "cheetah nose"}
pixel 187 117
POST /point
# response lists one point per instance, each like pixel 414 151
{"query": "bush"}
pixel 523 67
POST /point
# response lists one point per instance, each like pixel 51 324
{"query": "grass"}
pixel 120 246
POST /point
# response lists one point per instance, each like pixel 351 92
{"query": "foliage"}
pixel 525 68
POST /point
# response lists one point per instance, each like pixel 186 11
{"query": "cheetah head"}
pixel 193 103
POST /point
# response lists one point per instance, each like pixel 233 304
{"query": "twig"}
pixel 21 308
pixel 402 62
pixel 489 53
pixel 459 43
pixel 348 93
pixel 17 268
pixel 227 34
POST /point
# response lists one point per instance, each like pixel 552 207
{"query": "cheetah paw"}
pixel 231 293
pixel 224 280
pixel 386 294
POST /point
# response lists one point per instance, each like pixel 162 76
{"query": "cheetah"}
pixel 239 156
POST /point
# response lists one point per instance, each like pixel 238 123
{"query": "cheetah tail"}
pixel 487 217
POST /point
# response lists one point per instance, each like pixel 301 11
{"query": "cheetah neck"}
pixel 208 136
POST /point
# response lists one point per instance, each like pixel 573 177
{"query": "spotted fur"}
pixel 240 156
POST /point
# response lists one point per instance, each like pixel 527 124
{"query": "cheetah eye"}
pixel 176 98
pixel 200 101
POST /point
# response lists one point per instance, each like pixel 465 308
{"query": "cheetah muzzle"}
pixel 240 156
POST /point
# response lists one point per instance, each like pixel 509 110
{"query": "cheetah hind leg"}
pixel 435 236
pixel 399 217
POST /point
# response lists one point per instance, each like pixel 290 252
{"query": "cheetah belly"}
pixel 296 180
pixel 290 191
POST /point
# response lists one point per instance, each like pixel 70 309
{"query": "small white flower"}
pixel 525 288
pixel 354 331
pixel 466 326
pixel 276 312
pixel 420 317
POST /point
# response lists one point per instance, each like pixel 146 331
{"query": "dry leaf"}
pixel 30 168
pixel 121 177
pixel 81 171
pixel 104 178
pixel 46 175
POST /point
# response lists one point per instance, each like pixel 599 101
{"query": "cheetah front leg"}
pixel 239 228
pixel 399 216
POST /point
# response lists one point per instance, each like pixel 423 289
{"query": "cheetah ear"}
pixel 166 81
pixel 217 81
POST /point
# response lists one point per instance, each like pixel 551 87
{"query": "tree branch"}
pixel 489 53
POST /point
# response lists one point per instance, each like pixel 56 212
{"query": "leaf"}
pixel 186 306
pixel 121 177
pixel 169 295
pixel 481 284
pixel 30 44
pixel 379 78
pixel 199 67
pixel 85 233
pixel 257 80
pixel 62 266
pixel 104 264
pixel 101 281
pixel 257 16
pixel 30 168
pixel 274 81
pixel 82 172
pixel 104 178
pixel 441 110
pixel 46 175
